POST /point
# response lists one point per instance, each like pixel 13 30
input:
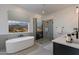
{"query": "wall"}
pixel 4 17
pixel 66 18
pixel 3 20
pixel 20 14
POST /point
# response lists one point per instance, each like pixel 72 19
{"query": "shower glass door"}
pixel 39 29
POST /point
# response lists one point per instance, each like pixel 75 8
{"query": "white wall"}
pixel 66 18
pixel 3 20
pixel 21 14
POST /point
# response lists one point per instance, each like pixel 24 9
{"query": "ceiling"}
pixel 49 8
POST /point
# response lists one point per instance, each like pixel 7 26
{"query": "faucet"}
pixel 76 30
pixel 20 35
pixel 76 34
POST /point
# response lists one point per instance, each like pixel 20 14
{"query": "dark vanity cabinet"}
pixel 59 49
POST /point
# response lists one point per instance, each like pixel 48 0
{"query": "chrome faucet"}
pixel 76 30
pixel 20 35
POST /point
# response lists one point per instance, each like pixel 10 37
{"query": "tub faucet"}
pixel 20 35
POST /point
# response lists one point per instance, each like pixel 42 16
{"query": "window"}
pixel 18 26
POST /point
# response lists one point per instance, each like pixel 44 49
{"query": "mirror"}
pixel 18 26
pixel 18 22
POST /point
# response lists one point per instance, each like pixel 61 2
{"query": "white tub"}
pixel 17 44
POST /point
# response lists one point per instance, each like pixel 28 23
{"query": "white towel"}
pixel 59 30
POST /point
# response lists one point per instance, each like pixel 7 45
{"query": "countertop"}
pixel 62 40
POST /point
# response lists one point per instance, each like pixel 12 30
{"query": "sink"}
pixel 75 41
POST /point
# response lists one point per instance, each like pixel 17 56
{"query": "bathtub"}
pixel 17 44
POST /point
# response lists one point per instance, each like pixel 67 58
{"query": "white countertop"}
pixel 62 40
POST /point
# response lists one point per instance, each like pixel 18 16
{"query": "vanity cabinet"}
pixel 60 49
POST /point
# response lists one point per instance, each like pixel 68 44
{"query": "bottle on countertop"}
pixel 69 38
pixel 73 36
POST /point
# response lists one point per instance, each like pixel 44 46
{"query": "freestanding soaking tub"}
pixel 17 44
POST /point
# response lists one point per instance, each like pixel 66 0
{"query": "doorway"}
pixel 43 30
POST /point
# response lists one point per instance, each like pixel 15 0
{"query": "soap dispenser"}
pixel 69 38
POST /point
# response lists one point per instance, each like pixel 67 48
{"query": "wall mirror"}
pixel 17 22
pixel 17 26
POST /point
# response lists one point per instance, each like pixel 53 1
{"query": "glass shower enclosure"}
pixel 43 29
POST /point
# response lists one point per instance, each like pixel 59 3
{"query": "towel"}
pixel 58 30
